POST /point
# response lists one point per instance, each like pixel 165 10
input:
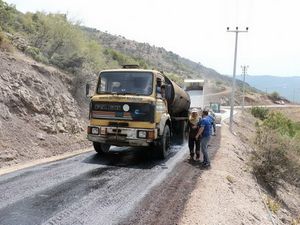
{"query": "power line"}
pixel 236 31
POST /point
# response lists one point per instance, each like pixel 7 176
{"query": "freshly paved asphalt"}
pixel 85 189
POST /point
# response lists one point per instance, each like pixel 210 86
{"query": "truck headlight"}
pixel 142 134
pixel 131 133
pixel 95 130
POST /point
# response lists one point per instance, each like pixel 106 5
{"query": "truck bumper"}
pixel 121 136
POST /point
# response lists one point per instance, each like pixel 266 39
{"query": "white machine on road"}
pixel 195 88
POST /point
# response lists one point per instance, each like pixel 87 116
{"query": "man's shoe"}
pixel 206 165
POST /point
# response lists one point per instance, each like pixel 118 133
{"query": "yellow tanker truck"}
pixel 137 107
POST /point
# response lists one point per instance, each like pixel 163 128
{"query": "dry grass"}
pixel 5 44
pixel 273 205
pixel 278 151
pixel 296 221
pixel 292 113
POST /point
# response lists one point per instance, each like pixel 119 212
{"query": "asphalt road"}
pixel 124 187
pixel 128 187
pixel 85 189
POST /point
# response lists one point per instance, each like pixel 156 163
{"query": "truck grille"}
pixel 115 111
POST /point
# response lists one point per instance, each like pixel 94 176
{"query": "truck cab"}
pixel 130 108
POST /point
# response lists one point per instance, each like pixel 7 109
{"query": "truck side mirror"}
pixel 158 82
pixel 168 92
pixel 87 90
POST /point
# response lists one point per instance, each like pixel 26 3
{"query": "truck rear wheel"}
pixel 184 132
pixel 101 148
pixel 180 132
pixel 164 145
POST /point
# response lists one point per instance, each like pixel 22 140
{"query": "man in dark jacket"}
pixel 194 144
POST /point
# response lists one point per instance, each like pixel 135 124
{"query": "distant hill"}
pixel 288 87
pixel 156 57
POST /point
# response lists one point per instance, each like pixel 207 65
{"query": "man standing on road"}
pixel 194 144
pixel 204 132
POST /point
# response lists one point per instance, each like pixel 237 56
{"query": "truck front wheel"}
pixel 101 148
pixel 164 143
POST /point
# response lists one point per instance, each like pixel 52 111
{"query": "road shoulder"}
pixel 227 193
pixel 9 169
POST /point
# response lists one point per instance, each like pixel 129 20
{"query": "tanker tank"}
pixel 180 102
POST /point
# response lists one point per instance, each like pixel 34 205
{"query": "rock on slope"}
pixel 38 115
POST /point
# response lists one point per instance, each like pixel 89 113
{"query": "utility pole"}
pixel 294 93
pixel 244 69
pixel 236 31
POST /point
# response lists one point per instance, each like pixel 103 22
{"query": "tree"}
pixel 7 15
pixel 275 95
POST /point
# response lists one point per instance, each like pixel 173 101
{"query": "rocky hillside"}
pixel 38 115
pixel 45 62
pixel 157 57
pixel 174 65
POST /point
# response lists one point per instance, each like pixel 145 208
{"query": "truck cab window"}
pixel 136 83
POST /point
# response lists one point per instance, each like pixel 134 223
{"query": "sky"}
pixel 196 29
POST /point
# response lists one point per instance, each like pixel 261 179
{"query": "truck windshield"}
pixel 136 83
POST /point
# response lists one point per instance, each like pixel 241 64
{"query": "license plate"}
pixel 119 114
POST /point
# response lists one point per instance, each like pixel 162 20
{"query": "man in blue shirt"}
pixel 212 117
pixel 205 133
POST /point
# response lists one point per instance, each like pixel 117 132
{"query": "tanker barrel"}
pixel 179 100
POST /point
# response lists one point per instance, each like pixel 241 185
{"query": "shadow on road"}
pixel 213 146
pixel 138 158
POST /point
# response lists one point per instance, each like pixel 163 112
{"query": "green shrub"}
pixel 8 14
pixel 57 60
pixel 176 78
pixel 219 83
pixel 275 95
pixel 260 112
pixel 2 37
pixel 279 122
pixel 36 54
pixel 278 151
pixel 5 43
pixel 269 161
pixel 71 63
pixel 32 51
pixel 119 57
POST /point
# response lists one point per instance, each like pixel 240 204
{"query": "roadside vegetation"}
pixel 278 149
pixel 51 38
pixel 54 39
pixel 275 96
pixel 5 44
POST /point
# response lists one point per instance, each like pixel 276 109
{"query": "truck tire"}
pixel 164 143
pixel 180 132
pixel 184 133
pixel 101 148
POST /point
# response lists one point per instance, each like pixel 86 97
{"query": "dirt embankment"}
pixel 38 115
pixel 222 94
pixel 229 194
